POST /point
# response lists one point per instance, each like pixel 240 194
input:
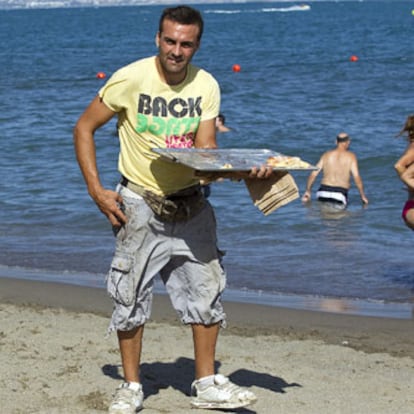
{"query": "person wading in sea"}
pixel 337 165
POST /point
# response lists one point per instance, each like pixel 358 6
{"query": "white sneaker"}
pixel 222 394
pixel 128 399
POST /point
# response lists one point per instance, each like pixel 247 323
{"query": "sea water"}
pixel 297 88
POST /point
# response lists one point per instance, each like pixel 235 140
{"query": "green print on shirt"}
pixel 160 117
pixel 166 126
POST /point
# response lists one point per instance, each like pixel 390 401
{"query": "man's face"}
pixel 177 44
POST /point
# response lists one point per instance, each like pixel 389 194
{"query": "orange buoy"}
pixel 353 58
pixel 101 75
pixel 236 68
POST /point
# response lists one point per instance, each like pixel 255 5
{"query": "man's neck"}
pixel 172 79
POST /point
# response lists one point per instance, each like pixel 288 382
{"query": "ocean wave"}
pixel 300 7
pixel 54 4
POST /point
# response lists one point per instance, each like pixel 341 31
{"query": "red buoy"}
pixel 236 68
pixel 100 75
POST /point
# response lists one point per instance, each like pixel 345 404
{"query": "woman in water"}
pixel 405 170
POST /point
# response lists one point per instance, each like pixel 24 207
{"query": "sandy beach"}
pixel 56 358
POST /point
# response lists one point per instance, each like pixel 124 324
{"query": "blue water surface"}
pixel 296 90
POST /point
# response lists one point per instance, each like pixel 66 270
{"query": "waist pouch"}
pixel 179 206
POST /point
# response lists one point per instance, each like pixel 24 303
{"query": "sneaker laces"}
pixel 231 388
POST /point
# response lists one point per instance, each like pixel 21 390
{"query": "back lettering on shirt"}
pixel 176 118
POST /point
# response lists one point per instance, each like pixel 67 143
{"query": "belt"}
pixel 124 181
pixel 136 188
pixel 178 206
pixel 139 189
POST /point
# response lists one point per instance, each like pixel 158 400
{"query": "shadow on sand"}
pixel 180 374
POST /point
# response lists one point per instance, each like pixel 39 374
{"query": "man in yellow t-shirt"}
pixel 162 222
pixel 154 114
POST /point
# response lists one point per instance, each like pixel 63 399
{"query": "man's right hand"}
pixel 306 197
pixel 110 202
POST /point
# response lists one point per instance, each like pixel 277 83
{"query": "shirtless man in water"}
pixel 337 165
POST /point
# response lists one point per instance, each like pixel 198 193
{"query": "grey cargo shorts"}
pixel 184 254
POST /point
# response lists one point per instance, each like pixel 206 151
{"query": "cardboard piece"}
pixel 272 193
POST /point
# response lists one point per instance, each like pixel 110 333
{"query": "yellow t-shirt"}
pixel 154 114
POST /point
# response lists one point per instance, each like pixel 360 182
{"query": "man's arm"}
pixel 206 135
pixel 307 195
pixel 358 180
pixel 95 115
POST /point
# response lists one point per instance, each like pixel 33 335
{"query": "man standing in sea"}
pixel 337 165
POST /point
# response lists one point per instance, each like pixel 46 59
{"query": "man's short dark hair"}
pixel 222 118
pixel 184 15
pixel 342 137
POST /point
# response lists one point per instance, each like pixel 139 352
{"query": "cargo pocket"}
pixel 121 284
